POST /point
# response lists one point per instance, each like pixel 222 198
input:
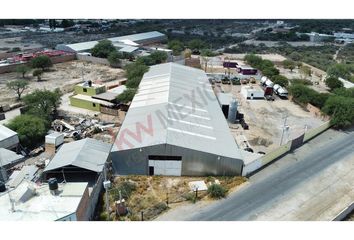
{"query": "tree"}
pixel 18 86
pixel 127 95
pixel 114 58
pixel 37 73
pixel 67 23
pixel 289 64
pixel 270 72
pixel 216 191
pixel 135 70
pixel 23 69
pixel 30 129
pixel 176 46
pixel 305 71
pixel 196 45
pixel 281 80
pixel 341 110
pixel 187 53
pixel 295 56
pixel 158 57
pixel 339 70
pixel 43 103
pixel 42 62
pixel 333 83
pixel 102 49
pixel 345 92
pixel 207 53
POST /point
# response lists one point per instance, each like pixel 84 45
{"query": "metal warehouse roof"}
pixel 138 37
pixel 127 43
pixel 6 132
pixel 87 153
pixel 8 157
pixel 224 98
pixel 184 112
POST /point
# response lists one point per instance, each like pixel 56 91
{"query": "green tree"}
pixel 114 58
pixel 30 129
pixel 158 57
pixel 281 80
pixel 127 95
pixel 37 73
pixel 43 103
pixel 216 191
pixel 19 86
pixel 23 69
pixel 176 46
pixel 333 83
pixel 305 71
pixel 196 45
pixel 135 70
pixel 344 92
pixel 67 23
pixel 207 53
pixel 102 49
pixel 295 56
pixel 42 62
pixel 289 64
pixel 339 70
pixel 341 110
pixel 270 72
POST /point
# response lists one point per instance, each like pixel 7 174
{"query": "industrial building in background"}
pixel 175 126
pixel 128 43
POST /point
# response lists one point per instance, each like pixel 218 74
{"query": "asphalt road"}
pixel 292 188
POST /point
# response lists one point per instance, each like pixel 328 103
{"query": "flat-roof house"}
pixel 175 126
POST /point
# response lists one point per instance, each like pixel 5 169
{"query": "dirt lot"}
pixel 149 193
pixel 7 44
pixel 63 76
pixel 266 119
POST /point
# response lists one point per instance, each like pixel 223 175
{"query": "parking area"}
pixel 267 119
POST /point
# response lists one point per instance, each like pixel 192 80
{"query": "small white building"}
pixel 252 92
pixel 32 202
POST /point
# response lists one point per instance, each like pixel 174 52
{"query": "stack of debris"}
pixel 79 128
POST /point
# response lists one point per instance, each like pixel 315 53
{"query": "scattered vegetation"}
pixel 19 86
pixel 216 191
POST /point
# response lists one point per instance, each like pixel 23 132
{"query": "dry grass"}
pixel 151 192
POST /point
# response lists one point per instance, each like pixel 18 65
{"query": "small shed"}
pixel 55 139
pixel 252 92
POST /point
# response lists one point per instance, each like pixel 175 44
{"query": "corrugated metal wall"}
pixel 194 163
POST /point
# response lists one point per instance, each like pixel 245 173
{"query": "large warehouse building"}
pixel 128 43
pixel 175 126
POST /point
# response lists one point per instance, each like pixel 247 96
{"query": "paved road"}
pixel 313 183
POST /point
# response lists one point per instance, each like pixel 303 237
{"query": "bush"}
pixel 304 95
pixel 126 188
pixel 301 81
pixel 333 83
pixel 281 80
pixel 31 129
pixel 341 110
pixel 102 49
pixel 42 62
pixel 216 191
pixel 114 58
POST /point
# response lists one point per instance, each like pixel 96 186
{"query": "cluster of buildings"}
pixel 132 44
pixel 339 37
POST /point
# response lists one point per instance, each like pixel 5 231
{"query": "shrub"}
pixel 42 62
pixel 126 188
pixel 102 49
pixel 216 191
pixel 333 83
pixel 341 110
pixel 301 81
pixel 281 80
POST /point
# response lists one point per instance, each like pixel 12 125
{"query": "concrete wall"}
pixel 291 145
pixel 315 131
pixel 194 163
pixel 92 59
pixel 84 104
pixel 55 60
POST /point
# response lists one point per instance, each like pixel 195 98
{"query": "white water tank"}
pixel 276 87
pixel 232 111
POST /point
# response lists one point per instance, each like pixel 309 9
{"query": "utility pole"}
pixel 106 186
pixel 282 133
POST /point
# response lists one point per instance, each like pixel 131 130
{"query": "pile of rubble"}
pixel 78 128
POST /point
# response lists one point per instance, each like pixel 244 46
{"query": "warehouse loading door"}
pixel 165 165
